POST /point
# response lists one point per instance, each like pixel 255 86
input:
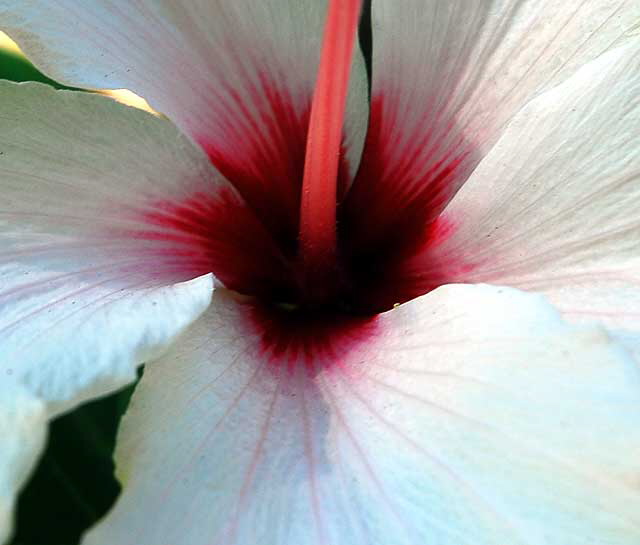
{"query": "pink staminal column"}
pixel 317 236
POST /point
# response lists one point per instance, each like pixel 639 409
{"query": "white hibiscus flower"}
pixel 297 403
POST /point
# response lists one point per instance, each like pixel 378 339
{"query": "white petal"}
pixel 497 426
pixel 235 76
pixel 22 434
pixel 69 342
pixel 447 76
pixel 472 415
pixel 86 286
pixel 554 207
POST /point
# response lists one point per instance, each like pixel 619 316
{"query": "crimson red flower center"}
pixel 295 234
pixel 319 253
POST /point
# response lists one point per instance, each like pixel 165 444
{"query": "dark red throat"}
pixel 322 257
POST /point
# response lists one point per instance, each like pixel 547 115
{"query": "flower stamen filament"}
pixel 317 234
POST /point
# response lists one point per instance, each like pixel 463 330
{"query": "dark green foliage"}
pixel 73 485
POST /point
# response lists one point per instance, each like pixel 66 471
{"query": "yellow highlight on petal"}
pixel 130 99
pixel 121 95
pixel 8 44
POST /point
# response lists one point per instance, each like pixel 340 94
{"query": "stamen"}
pixel 318 203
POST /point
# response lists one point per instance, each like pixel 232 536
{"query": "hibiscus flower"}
pixel 313 274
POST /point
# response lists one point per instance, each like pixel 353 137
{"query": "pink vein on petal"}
pixel 229 534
